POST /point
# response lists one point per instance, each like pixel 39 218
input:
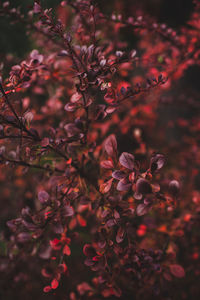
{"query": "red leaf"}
pixel 54 284
pixel 47 289
pixel 177 270
pixel 82 221
pixel 66 250
pixel 105 187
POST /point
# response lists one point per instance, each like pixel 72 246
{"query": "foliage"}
pixel 104 201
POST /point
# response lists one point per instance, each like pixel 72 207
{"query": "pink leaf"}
pixel 107 164
pixel 36 8
pixel 70 107
pixel 75 97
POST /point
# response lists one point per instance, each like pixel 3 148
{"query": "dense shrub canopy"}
pixel 99 154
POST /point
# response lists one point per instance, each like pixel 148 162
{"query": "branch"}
pixel 25 164
pixel 21 124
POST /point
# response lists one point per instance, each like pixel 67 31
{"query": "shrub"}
pixel 98 151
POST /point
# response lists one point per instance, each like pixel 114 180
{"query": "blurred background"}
pixel 16 43
pixel 175 13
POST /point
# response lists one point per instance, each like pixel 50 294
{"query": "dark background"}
pixel 175 13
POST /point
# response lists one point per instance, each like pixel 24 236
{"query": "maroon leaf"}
pixel 88 250
pixel 84 200
pixel 111 222
pixel 43 197
pixel 29 225
pixel 12 224
pixel 157 162
pixel 127 160
pixel 23 237
pixel 105 213
pixel 118 174
pixel 110 145
pixel 120 235
pixel 71 129
pixel 34 132
pixel 116 214
pixel 174 187
pixel 45 251
pixel 100 112
pixel 123 185
pixel 45 142
pixel 58 228
pixel 102 243
pixel 143 186
pixel 67 211
pixel 89 262
pixel 137 196
pixel 142 209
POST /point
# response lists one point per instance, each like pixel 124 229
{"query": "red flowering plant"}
pixel 109 208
